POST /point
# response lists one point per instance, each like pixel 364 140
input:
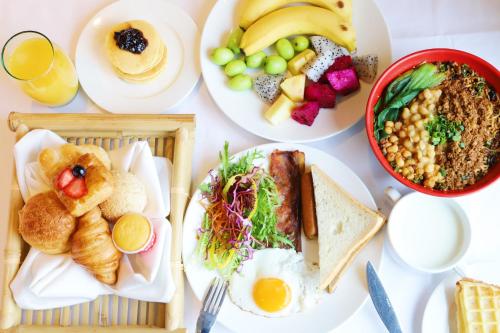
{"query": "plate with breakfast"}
pixel 293 71
pixel 290 229
pixel 138 56
pixel 466 304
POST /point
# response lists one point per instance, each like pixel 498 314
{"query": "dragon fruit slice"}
pixel 366 67
pixel 341 62
pixel 268 87
pixel 306 113
pixel 323 45
pixel 315 68
pixel 344 81
pixel 321 93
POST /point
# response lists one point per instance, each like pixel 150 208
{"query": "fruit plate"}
pixel 97 77
pixel 440 311
pixel 333 309
pixel 246 109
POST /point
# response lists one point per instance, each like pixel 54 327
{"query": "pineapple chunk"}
pixel 297 62
pixel 294 87
pixel 280 111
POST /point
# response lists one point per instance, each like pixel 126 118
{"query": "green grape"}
pixel 235 67
pixel 255 60
pixel 275 65
pixel 221 56
pixel 300 43
pixel 240 82
pixel 285 49
pixel 233 42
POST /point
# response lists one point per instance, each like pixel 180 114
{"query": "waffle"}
pixel 478 307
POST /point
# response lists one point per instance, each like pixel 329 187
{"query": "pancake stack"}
pixel 136 51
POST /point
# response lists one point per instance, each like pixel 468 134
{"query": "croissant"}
pixel 92 247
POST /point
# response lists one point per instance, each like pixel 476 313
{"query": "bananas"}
pixel 297 20
pixel 255 9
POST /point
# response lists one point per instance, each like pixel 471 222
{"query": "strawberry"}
pixel 76 189
pixel 64 178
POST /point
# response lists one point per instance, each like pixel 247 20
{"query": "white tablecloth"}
pixel 473 26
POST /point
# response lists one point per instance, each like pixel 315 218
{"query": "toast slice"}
pixel 478 306
pixel 344 227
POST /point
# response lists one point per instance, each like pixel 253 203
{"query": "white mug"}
pixel 430 234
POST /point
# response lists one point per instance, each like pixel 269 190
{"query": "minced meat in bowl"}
pixel 438 126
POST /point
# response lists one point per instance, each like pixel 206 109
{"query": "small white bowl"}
pixel 430 234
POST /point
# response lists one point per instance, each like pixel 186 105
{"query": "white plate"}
pixel 173 84
pixel 334 308
pixel 440 311
pixel 246 109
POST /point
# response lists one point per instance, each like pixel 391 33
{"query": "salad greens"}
pixel 402 91
pixel 240 215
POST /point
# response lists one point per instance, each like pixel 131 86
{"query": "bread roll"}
pixel 46 224
pixel 129 195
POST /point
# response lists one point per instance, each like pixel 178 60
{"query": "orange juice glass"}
pixel 43 70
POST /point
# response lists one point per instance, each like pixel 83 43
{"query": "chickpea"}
pixel 411 169
pixel 421 96
pixel 411 161
pixel 398 125
pixel 425 160
pixel 393 149
pixel 413 107
pixel 393 139
pixel 415 118
pixel 429 183
pixel 420 171
pixel 411 128
pixel 389 123
pixel 431 108
pixel 391 157
pixel 422 145
pixel 405 172
pixel 419 124
pixel 402 134
pixel 431 153
pixel 411 134
pixel 407 144
pixel 437 93
pixel 400 162
pixel 405 114
pixel 406 154
pixel 419 154
pixel 388 130
pixel 429 168
pixel 424 134
pixel 411 176
pixel 427 94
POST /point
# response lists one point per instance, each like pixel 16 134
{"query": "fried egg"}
pixel 275 283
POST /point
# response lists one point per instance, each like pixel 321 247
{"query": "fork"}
pixel 211 305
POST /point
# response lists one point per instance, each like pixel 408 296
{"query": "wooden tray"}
pixel 171 136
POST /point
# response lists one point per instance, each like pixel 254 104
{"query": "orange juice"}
pixel 44 71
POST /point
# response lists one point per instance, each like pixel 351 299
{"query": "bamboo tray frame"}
pixel 171 136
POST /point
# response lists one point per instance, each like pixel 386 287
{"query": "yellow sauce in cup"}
pixel 132 233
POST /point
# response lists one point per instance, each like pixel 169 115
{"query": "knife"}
pixel 381 300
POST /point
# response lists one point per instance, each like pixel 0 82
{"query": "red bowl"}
pixel 483 68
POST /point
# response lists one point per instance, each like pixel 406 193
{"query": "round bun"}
pixel 129 195
pixel 46 224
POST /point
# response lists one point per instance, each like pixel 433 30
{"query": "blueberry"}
pixel 79 171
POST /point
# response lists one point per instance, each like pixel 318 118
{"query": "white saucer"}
pixel 177 80
pixel 440 311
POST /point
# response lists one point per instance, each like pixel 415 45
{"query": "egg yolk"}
pixel 271 294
